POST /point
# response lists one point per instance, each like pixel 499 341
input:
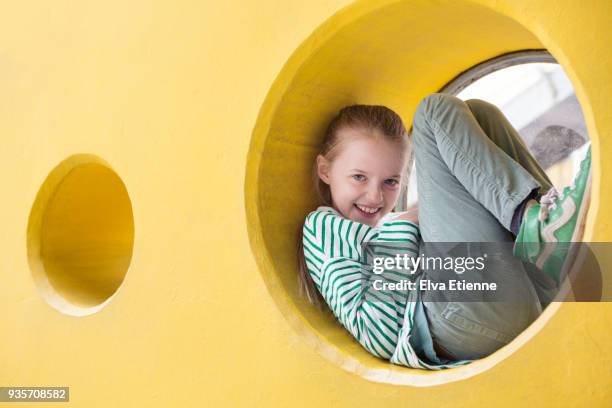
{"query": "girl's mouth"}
pixel 369 212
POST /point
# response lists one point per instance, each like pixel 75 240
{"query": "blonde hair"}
pixel 374 120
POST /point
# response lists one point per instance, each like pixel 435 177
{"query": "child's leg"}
pixel 469 185
pixel 497 127
pixel 502 133
pixel 470 159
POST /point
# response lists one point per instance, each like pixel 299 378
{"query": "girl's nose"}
pixel 374 195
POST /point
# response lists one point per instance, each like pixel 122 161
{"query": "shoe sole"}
pixel 575 243
pixel 584 208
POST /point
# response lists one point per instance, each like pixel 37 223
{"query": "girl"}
pixel 477 183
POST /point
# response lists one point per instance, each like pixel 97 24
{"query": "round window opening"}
pixel 373 54
pixel 80 235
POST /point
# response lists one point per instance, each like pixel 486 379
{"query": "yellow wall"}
pixel 205 108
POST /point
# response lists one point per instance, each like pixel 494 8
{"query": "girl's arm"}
pixel 332 249
pixel 327 234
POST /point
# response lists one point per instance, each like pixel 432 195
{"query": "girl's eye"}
pixel 358 177
pixel 391 182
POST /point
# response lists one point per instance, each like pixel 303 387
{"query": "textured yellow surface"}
pixel 203 108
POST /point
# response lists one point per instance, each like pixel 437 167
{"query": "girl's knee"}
pixel 430 104
pixel 428 110
pixel 480 107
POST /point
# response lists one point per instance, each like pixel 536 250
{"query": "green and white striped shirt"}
pixel 382 321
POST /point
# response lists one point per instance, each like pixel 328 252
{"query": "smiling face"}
pixel 364 177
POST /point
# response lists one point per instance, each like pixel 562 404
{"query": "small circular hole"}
pixel 80 235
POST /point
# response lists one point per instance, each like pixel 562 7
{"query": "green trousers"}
pixel 473 170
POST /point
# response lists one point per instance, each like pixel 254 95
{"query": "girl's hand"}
pixel 411 214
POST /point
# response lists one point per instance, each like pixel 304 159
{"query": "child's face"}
pixel 365 176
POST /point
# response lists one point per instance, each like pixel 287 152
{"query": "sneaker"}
pixel 550 227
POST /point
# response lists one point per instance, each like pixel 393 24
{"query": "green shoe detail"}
pixel 549 228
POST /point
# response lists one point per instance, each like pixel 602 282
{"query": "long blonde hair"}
pixel 370 118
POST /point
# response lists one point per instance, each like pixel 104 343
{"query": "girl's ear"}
pixel 323 166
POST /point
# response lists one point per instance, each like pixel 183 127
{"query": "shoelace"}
pixel 548 202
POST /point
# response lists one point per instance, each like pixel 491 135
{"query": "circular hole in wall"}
pixel 80 235
pixel 393 55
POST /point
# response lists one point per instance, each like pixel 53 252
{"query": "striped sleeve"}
pixel 327 234
pixel 403 232
pixel 395 238
pixel 332 249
